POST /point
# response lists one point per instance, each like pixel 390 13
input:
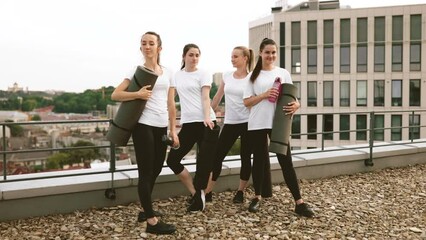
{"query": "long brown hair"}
pixel 185 51
pixel 159 42
pixel 258 67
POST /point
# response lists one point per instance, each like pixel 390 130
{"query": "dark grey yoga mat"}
pixel 281 126
pixel 129 112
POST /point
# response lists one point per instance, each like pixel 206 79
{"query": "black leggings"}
pixel 227 138
pixel 150 153
pixel 259 141
pixel 190 134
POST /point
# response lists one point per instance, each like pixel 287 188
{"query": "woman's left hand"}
pixel 209 123
pixel 291 108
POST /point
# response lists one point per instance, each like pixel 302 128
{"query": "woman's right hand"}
pixel 144 93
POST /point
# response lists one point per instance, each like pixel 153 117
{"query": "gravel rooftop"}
pixel 385 204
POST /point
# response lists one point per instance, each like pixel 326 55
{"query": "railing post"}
pixel 110 192
pixel 4 152
pixel 411 129
pixel 369 161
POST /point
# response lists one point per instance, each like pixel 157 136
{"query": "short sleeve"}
pixel 249 90
pixel 206 79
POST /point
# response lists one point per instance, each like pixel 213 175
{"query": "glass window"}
pixel 379 29
pixel 379 58
pixel 345 91
pixel 397 57
pixel 312 126
pixel 328 126
pixel 282 57
pixel 295 60
pixel 379 92
pixel 361 93
pixel 361 30
pixel 328 59
pixel 344 126
pixel 396 92
pixel 328 32
pixel 416 27
pixel 295 33
pixel 328 94
pixel 282 33
pixel 345 59
pixel 361 127
pixel 312 32
pixel 379 124
pixel 295 127
pixel 297 85
pixel 415 56
pixel 361 62
pixel 345 31
pixel 312 60
pixel 414 126
pixel 397 27
pixel 415 92
pixel 396 124
pixel 312 94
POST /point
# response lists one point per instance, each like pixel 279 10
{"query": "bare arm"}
pixel 120 93
pixel 171 106
pixel 218 96
pixel 253 100
pixel 205 91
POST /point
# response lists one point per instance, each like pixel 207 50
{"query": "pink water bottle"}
pixel 276 85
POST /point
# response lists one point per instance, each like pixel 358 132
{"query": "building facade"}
pixel 354 61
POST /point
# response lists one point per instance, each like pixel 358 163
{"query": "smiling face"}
pixel 269 55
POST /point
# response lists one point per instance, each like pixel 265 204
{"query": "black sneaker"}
pixel 199 202
pixel 303 209
pixel 142 216
pixel 160 228
pixel 209 197
pixel 254 205
pixel 190 199
pixel 239 197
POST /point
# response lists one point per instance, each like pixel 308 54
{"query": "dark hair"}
pixel 185 51
pixel 159 42
pixel 258 67
pixel 247 52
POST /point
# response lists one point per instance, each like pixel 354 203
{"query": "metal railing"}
pixel 110 193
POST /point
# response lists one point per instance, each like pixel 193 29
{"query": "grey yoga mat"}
pixel 129 112
pixel 281 126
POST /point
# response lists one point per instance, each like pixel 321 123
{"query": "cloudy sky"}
pixel 74 45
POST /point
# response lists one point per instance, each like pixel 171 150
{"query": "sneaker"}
pixel 142 216
pixel 190 199
pixel 239 197
pixel 303 209
pixel 209 197
pixel 160 228
pixel 254 205
pixel 199 202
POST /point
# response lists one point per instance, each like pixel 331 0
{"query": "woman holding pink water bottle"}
pixel 260 97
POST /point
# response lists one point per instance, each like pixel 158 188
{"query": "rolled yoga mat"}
pixel 129 112
pixel 281 126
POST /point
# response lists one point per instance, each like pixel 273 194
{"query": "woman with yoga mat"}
pixel 262 111
pixel 198 125
pixel 159 112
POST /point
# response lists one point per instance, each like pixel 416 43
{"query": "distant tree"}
pixel 57 160
pixel 15 130
pixel 29 105
pixel 80 155
pixel 36 117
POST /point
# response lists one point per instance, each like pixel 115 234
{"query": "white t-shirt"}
pixel 155 113
pixel 188 86
pixel 262 114
pixel 235 111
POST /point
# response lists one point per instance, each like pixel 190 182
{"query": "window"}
pixel 379 58
pixel 415 27
pixel 312 94
pixel 345 31
pixel 328 94
pixel 379 29
pixel 379 93
pixel 415 92
pixel 312 60
pixel 297 85
pixel 361 62
pixel 295 33
pixel 328 32
pixel 328 59
pixel 282 44
pixel 361 30
pixel 344 126
pixel 312 126
pixel 397 57
pixel 361 127
pixel 396 92
pixel 414 126
pixel 415 56
pixel 361 93
pixel 379 124
pixel 328 126
pixel 312 32
pixel 396 124
pixel 345 93
pixel 345 59
pixel 295 127
pixel 295 60
pixel 397 28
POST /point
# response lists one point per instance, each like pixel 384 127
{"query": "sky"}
pixel 74 45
